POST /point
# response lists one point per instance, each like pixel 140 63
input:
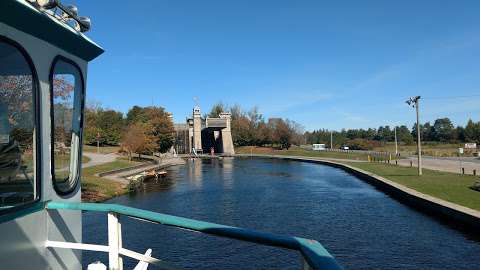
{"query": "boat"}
pixel 44 55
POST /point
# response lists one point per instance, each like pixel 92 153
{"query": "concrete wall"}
pixel 227 141
pixel 197 128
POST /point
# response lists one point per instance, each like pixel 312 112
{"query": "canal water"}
pixel 361 226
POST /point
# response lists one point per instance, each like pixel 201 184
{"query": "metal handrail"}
pixel 315 255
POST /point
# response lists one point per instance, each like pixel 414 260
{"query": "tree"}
pixel 472 131
pixel 282 133
pixel 134 139
pixel 216 110
pixel 241 132
pixel 443 130
pixel 236 112
pixel 162 132
pixel 404 135
pixel 136 114
pixel 158 125
pixel 106 126
pixel 110 123
pixel 264 134
pixel 426 132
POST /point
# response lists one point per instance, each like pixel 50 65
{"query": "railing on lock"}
pixel 314 255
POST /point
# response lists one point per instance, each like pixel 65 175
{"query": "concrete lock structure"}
pixel 201 135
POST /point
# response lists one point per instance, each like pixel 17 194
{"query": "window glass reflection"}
pixel 17 122
pixel 67 92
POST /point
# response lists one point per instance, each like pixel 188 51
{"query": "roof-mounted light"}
pixel 84 23
pixel 73 9
pixel 68 14
pixel 47 4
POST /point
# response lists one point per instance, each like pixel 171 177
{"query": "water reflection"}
pixel 195 167
pixel 227 172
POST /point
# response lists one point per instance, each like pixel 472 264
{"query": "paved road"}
pixel 445 164
pixel 98 159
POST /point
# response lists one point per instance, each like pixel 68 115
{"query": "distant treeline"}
pixel 442 130
pixel 143 130
pixel 250 128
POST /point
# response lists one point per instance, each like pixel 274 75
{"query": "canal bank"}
pixel 108 180
pixel 447 211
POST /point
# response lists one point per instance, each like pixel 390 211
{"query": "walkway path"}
pixel 121 176
pixel 98 159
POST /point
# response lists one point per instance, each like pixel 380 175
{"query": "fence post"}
pixel 114 242
pixel 463 170
pixel 411 163
pixel 474 172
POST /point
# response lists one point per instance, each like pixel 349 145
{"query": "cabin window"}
pixel 67 99
pixel 18 180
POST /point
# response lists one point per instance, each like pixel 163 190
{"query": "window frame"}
pixel 36 128
pixel 52 126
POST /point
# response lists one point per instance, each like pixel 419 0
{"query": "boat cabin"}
pixel 43 66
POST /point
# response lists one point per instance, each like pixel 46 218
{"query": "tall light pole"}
pixel 396 143
pixel 414 102
pixel 331 139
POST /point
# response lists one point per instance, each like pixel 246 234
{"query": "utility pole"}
pixel 396 143
pixel 414 102
pixel 98 142
pixel 331 139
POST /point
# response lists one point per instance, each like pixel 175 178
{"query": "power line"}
pixel 451 97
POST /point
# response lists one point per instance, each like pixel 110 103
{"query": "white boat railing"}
pixel 115 249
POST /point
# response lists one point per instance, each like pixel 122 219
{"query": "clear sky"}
pixel 324 64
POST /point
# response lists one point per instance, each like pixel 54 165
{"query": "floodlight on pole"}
pixel 414 102
pixel 396 142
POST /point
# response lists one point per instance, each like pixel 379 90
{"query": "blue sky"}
pixel 324 64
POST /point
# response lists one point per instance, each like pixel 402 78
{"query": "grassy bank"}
pixel 297 151
pixel 95 188
pixel 428 148
pixel 450 187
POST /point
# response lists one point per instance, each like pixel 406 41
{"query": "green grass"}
pixel 95 188
pixel 297 151
pixel 60 161
pixel 450 187
pixel 428 148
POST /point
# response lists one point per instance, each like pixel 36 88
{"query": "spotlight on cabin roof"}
pixel 47 4
pixel 67 14
pixel 84 23
pixel 73 9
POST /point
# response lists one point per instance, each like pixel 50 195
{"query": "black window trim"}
pixel 36 127
pixel 73 188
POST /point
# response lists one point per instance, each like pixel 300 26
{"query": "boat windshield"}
pixel 17 122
